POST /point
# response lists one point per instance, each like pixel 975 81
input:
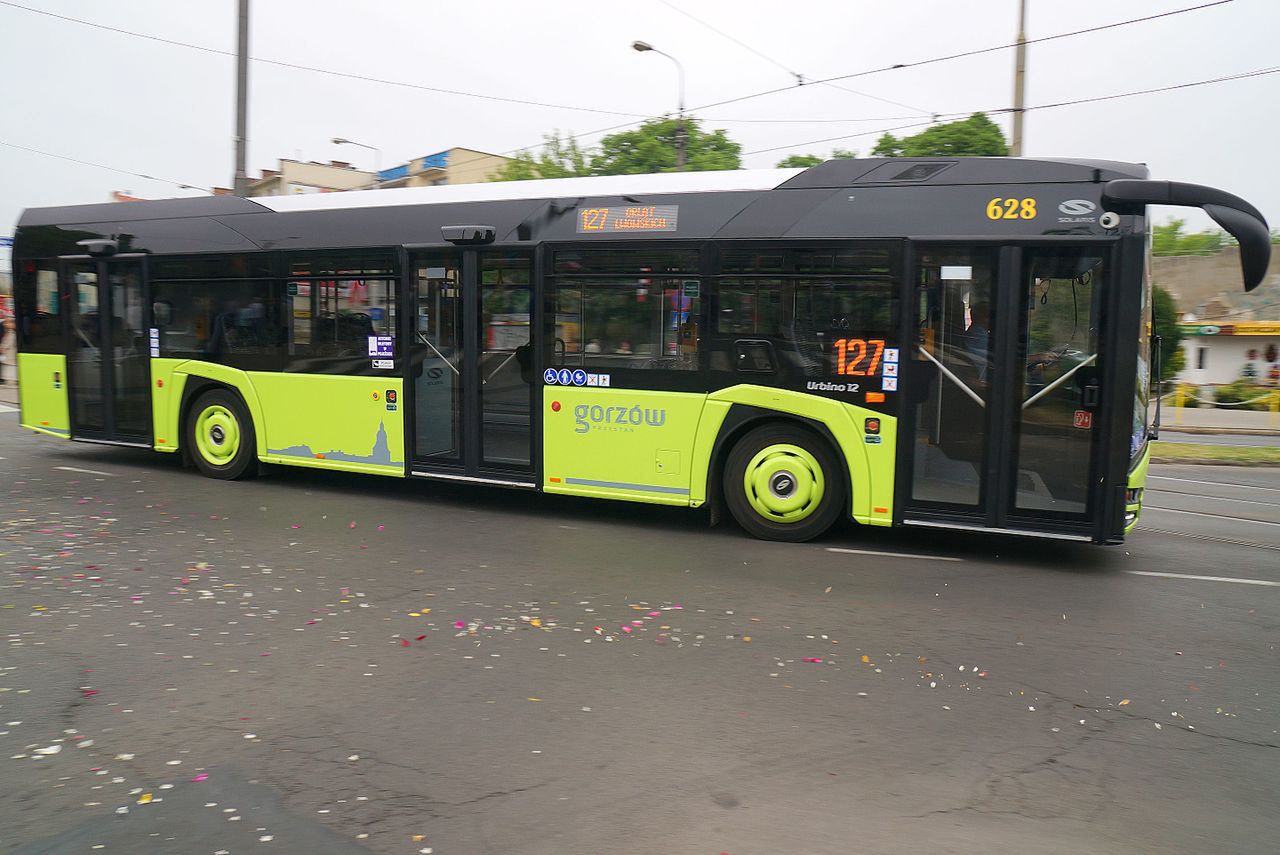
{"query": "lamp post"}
pixel 377 153
pixel 680 130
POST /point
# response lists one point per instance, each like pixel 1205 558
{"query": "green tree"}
pixel 794 161
pixel 1172 358
pixel 559 158
pixel 976 136
pixel 1170 239
pixel 648 148
pixel 805 160
pixel 652 148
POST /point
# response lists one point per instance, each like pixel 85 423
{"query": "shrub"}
pixel 1242 390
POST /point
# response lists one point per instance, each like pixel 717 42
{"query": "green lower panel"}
pixel 620 443
pixel 42 393
pixel 1138 480
pixel 166 400
pixel 353 424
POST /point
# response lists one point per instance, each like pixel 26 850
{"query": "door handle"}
pixel 1090 395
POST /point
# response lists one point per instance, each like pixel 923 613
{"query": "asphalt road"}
pixel 314 662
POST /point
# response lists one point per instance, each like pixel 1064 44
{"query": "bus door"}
pixel 108 359
pixel 470 365
pixel 1004 389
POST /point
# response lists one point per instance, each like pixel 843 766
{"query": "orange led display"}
pixel 858 357
pixel 633 218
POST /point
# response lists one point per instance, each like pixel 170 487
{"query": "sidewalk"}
pixel 1217 420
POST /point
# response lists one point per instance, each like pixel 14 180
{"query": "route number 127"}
pixel 858 357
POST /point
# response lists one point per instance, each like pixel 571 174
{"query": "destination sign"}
pixel 631 218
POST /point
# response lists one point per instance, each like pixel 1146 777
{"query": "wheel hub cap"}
pixel 217 435
pixel 784 483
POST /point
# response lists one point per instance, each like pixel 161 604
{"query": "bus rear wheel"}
pixel 783 483
pixel 219 436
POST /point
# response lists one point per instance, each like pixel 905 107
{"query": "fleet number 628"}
pixel 1011 209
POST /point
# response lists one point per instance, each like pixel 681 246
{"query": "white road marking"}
pixel 5 408
pixel 1266 582
pixel 1211 516
pixel 1213 483
pixel 892 554
pixel 85 471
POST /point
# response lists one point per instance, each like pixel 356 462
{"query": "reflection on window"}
pixel 642 320
pixel 204 319
pixel 336 317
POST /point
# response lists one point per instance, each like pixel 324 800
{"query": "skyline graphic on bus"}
pixel 379 456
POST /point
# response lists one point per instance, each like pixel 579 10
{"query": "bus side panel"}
pixel 332 421
pixel 620 443
pixel 167 384
pixel 42 393
pixel 870 456
pixel 713 416
pixel 233 377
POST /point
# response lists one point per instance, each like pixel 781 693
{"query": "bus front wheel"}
pixel 220 436
pixel 783 483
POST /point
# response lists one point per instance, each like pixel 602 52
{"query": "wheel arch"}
pixel 200 378
pixel 741 419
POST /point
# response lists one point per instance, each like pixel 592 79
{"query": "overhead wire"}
pixel 999 110
pixel 971 53
pixel 180 184
pixel 641 118
pixel 800 78
pixel 327 71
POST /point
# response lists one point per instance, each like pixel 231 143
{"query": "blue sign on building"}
pixel 439 160
pixel 394 172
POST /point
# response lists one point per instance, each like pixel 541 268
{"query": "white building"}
pixel 1221 353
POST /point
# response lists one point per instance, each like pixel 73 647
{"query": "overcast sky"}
pixel 169 111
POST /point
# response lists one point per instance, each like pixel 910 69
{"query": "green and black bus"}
pixel 957 343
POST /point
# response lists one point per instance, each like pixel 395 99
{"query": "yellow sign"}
pixel 1256 328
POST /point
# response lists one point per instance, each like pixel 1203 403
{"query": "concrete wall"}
pixel 1211 286
pixel 467 166
pixel 295 176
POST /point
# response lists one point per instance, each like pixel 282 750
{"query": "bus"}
pixel 955 343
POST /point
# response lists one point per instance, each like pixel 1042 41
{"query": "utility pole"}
pixel 241 181
pixel 1019 80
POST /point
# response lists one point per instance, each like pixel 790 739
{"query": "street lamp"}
pixel 680 133
pixel 377 153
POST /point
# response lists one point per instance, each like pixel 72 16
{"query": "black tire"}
pixel 228 448
pixel 797 486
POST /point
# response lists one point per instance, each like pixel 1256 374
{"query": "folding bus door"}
pixel 109 358
pixel 470 365
pixel 1003 391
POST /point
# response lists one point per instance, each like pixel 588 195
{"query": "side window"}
pixel 831 311
pixel 217 320
pixel 39 310
pixel 336 317
pixel 336 303
pixel 628 309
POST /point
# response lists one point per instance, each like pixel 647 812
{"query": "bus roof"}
pixel 831 174
pixel 896 197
